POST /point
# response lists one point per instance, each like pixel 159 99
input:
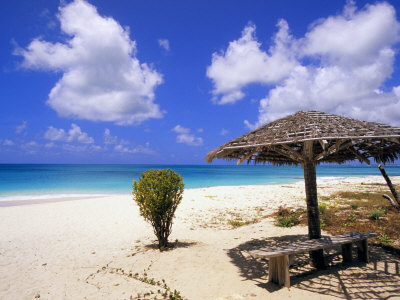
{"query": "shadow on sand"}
pixel 171 245
pixel 378 279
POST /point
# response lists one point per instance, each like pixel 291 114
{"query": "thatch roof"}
pixel 336 139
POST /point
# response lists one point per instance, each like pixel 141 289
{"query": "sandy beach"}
pixel 100 248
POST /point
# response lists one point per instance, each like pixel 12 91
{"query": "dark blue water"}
pixel 106 179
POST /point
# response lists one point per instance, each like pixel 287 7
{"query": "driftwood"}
pixel 391 187
pixel 391 201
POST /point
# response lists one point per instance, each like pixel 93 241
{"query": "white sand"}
pixel 85 249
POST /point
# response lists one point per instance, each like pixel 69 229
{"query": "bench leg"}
pixel 362 247
pixel 317 259
pixel 346 252
pixel 279 270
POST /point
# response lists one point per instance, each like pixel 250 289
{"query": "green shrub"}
pixel 354 205
pixel 288 221
pixel 323 208
pixel 352 217
pixel 236 223
pixel 158 194
pixel 384 239
pixel 287 218
pixel 376 214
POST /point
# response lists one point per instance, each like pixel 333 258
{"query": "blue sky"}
pixel 167 81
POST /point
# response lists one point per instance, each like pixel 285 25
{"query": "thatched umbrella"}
pixel 309 138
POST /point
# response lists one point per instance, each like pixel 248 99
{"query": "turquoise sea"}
pixel 30 181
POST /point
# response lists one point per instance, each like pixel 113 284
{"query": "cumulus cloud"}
pixel 75 134
pixel 102 79
pixel 185 137
pixel 20 128
pixel 244 62
pixel 164 43
pixel 354 37
pixel 339 66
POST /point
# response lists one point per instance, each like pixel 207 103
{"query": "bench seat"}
pixel 279 256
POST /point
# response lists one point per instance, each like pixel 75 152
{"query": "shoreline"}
pixel 28 199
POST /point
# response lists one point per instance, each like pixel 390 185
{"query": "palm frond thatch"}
pixel 336 139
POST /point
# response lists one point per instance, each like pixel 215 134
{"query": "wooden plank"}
pixel 248 155
pixel 293 152
pixel 310 245
pixel 359 155
pixel 324 144
pixel 354 138
pixel 280 258
pixel 332 149
pixel 286 153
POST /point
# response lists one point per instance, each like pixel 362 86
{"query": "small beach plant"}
pixel 384 239
pixel 287 217
pixel 376 214
pixel 158 194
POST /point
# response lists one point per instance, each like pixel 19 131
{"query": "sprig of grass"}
pixel 376 214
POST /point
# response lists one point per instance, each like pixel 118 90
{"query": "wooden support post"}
pixel 362 249
pixel 389 183
pixel 346 252
pixel 279 270
pixel 310 179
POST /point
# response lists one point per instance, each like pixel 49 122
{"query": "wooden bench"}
pixel 279 257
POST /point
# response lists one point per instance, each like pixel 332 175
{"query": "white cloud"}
pixel 339 66
pixel 180 129
pixel 134 150
pixel 164 43
pixel 21 128
pixel 244 63
pixel 74 134
pixel 108 138
pixel 54 134
pixel 223 132
pixel 50 145
pixel 81 148
pixel 185 137
pixel 353 38
pixel 32 144
pixel 8 143
pixel 30 147
pixel 124 146
pixel 102 79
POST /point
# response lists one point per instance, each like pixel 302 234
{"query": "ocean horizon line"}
pixel 31 180
pixel 66 195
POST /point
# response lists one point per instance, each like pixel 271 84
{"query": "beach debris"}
pixel 391 187
pixel 391 200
